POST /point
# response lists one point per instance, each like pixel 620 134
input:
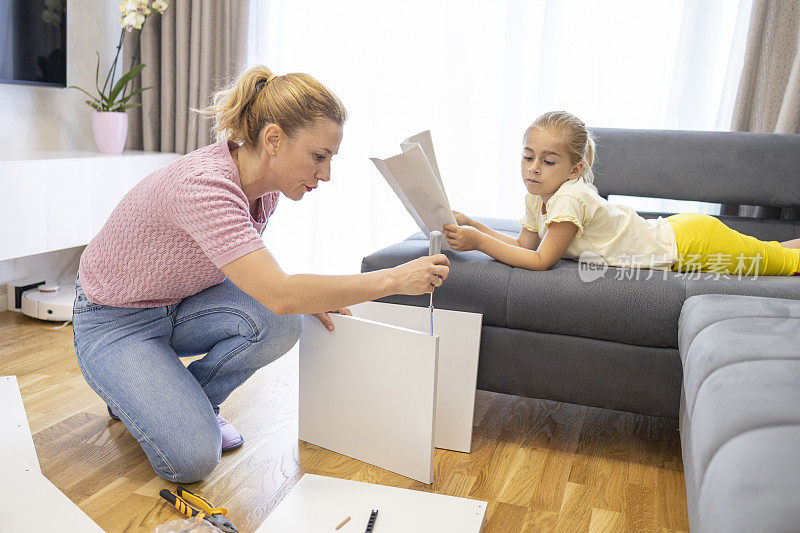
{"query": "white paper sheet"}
pixel 414 176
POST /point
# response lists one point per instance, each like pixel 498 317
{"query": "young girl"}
pixel 566 217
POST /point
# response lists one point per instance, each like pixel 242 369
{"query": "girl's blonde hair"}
pixel 258 97
pixel 572 133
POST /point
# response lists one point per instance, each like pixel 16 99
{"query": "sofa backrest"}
pixel 760 169
pixel 704 166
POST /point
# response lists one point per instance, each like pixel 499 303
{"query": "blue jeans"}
pixel 130 357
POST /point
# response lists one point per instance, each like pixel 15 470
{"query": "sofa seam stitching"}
pixel 720 321
pixel 705 379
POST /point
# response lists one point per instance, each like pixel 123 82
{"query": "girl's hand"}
pixel 326 320
pixel 462 219
pixel 421 275
pixel 462 238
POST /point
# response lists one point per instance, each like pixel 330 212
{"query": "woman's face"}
pixel 545 164
pixel 301 163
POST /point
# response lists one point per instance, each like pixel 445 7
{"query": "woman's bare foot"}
pixel 794 243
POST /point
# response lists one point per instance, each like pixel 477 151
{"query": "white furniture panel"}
pixel 30 502
pixel 320 503
pixel 457 375
pixel 55 200
pixel 368 390
pixel 15 433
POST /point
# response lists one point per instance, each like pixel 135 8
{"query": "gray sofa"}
pixel 611 342
pixel 740 413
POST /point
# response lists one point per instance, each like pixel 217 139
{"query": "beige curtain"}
pixel 190 51
pixel 768 100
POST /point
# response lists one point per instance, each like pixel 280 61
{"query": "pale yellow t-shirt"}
pixel 615 232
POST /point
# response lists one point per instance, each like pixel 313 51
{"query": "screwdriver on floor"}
pixel 435 248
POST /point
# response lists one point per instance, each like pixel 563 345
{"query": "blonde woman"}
pixel 180 269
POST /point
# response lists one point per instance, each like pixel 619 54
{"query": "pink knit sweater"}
pixel 170 235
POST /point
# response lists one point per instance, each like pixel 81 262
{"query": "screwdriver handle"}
pixel 436 243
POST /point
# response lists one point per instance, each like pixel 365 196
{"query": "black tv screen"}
pixel 33 42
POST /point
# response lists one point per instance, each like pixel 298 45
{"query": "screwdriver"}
pixel 435 248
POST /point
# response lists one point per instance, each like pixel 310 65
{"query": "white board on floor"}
pixel 368 391
pixel 320 503
pixel 30 502
pixel 457 374
pixel 15 433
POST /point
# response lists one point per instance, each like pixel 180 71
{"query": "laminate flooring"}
pixel 541 465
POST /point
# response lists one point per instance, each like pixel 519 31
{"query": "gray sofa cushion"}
pixel 740 415
pixel 642 312
pixel 738 496
pixel 579 370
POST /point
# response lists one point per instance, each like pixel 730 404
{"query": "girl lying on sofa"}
pixel 566 217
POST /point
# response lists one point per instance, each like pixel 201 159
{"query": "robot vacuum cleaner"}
pixel 49 301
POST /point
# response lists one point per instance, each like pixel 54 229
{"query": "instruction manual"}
pixel 414 176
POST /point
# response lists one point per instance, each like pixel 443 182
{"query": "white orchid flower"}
pixel 126 6
pixel 132 20
pixel 160 6
pixel 144 8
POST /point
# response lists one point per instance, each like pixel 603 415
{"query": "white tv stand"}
pixel 51 200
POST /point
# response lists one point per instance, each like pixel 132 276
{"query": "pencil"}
pixel 343 522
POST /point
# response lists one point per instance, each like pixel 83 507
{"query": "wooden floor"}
pixel 541 465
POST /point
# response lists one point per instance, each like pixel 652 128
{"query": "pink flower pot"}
pixel 110 131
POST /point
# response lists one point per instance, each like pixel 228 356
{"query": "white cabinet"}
pixel 55 200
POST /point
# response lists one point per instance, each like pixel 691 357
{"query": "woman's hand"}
pixel 326 320
pixel 462 219
pixel 421 275
pixel 463 238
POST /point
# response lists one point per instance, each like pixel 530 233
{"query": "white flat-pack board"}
pixel 15 433
pixel 368 391
pixel 457 373
pixel 320 503
pixel 30 502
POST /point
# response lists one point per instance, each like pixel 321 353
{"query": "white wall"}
pixel 49 118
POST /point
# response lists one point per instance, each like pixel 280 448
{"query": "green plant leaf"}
pixel 97 75
pixel 126 106
pixel 134 93
pixel 94 98
pixel 132 73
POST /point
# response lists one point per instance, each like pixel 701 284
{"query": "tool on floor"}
pixel 190 504
pixel 372 516
pixel 435 248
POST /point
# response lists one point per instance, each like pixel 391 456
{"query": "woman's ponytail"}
pixel 258 97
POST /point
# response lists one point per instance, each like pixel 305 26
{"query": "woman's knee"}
pixel 194 462
pixel 282 333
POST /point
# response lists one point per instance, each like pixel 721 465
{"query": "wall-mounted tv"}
pixel 33 42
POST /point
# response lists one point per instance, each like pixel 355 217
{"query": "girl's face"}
pixel 545 164
pixel 301 163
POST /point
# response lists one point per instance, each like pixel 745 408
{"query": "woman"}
pixel 180 269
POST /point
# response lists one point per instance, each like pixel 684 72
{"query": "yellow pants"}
pixel 705 244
